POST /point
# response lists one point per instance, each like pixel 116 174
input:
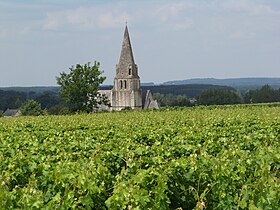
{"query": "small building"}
pixel 12 113
pixel 126 92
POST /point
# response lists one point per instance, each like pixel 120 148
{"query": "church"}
pixel 126 92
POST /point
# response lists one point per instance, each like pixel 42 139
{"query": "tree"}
pixel 59 109
pixel 265 94
pixel 31 108
pixel 219 97
pixel 172 100
pixel 80 87
pixel 47 99
pixel 11 99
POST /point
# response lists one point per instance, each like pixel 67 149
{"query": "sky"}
pixel 171 39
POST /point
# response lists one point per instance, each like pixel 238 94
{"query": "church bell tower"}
pixel 126 92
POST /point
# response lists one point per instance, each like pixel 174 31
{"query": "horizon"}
pixel 155 84
pixel 171 40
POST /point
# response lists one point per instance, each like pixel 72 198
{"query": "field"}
pixel 217 157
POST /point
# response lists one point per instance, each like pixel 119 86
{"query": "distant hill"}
pixel 233 82
pixel 147 84
pixel 36 89
pixel 189 87
pixel 189 90
pixel 55 89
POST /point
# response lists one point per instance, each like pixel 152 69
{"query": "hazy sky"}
pixel 171 39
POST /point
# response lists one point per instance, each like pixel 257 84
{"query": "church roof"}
pixel 126 60
pixel 148 101
pixel 126 51
pixel 12 112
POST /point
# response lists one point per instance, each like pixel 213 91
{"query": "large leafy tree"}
pixel 79 88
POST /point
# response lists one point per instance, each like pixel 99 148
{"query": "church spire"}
pixel 126 66
pixel 126 91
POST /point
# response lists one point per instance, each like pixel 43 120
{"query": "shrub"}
pixel 31 108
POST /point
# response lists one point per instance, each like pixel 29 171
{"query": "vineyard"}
pixel 216 157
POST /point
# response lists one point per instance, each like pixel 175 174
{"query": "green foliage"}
pixel 59 109
pixel 172 100
pixel 80 87
pixel 31 108
pixel 263 95
pixel 11 99
pixel 215 157
pixel 219 97
pixel 1 113
pixel 47 99
pixel 190 90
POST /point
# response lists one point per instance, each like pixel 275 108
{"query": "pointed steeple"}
pixel 126 66
pixel 126 91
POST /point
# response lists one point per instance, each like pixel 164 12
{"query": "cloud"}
pixel 174 16
pixel 168 11
pixel 250 7
pixel 3 33
pixel 183 24
pixel 52 22
pixel 12 32
pixel 85 18
pixel 109 20
pixel 115 14
pixel 242 35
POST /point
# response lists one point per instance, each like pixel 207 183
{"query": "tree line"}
pixel 79 93
pixel 46 102
pixel 221 96
pixel 52 103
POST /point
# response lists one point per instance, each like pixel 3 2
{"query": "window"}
pixel 129 70
pixel 124 84
pixel 121 83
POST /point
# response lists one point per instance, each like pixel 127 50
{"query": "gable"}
pixel 12 112
pixel 148 100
